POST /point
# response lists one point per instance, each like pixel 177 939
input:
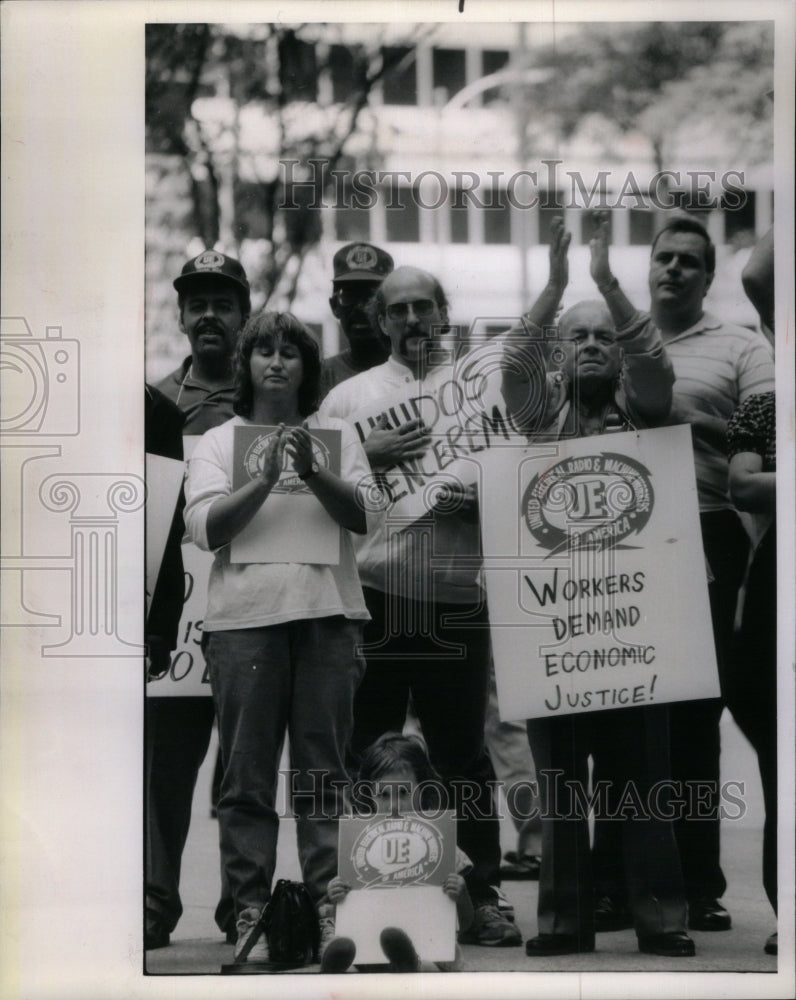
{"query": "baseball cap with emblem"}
pixel 212 264
pixel 361 262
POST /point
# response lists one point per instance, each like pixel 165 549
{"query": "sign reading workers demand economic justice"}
pixel 595 575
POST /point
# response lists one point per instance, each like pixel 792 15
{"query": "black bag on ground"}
pixel 290 921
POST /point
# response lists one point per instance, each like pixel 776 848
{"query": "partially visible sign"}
pixel 292 525
pixel 396 866
pixel 187 673
pixel 595 575
pixel 160 506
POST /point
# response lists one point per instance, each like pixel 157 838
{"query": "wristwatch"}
pixel 313 470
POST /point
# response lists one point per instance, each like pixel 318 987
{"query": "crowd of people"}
pixel 343 657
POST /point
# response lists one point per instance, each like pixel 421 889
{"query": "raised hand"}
pixel 559 262
pixel 600 267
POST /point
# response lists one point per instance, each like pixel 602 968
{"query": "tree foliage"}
pixel 657 77
pixel 306 94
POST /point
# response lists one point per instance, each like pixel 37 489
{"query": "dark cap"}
pixel 361 262
pixel 213 264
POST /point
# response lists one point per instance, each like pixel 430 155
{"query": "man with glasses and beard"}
pixel 420 583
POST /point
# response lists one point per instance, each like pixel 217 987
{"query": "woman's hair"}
pixel 267 327
pixel 394 751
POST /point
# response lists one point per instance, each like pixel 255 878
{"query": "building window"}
pixel 457 204
pixel 346 70
pixel 492 61
pixel 497 220
pixel 402 214
pixel 739 223
pixel 298 70
pixel 400 79
pixel 449 71
pixel 551 205
pixel 351 220
pixel 253 218
pixel 642 227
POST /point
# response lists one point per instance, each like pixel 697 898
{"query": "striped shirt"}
pixel 717 366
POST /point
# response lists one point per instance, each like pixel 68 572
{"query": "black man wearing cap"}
pixel 359 269
pixel 214 303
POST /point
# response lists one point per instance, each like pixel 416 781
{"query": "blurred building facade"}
pixel 451 168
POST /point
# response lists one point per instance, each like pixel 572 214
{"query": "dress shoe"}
pixel 706 914
pixel 674 944
pixel 611 915
pixel 559 944
pixel 520 866
pixel 771 947
pixel 155 933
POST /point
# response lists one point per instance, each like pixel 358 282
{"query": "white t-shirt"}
pixel 252 595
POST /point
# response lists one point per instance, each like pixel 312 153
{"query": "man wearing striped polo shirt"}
pixel 717 365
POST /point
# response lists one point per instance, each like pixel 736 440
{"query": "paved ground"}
pixel 197 946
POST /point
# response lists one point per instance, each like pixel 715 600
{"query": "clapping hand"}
pixel 298 443
pixel 600 267
pixel 273 456
pixel 559 246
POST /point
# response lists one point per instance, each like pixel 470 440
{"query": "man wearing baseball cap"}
pixel 213 298
pixel 359 269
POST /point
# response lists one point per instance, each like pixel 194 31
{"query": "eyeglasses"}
pixel 422 308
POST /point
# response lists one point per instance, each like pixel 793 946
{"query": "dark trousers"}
pixel 695 737
pixel 751 689
pixel 630 750
pixel 440 653
pixel 298 678
pixel 177 735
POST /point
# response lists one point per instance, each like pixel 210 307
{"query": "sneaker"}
pixel 491 929
pixel 505 907
pixel 251 945
pixel 326 927
pixel 397 946
pixel 338 955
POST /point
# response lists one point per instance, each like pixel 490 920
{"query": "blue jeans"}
pixel 298 677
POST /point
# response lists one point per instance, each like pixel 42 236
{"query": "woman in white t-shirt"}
pixel 280 638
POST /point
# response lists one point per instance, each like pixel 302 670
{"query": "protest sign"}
pixel 160 506
pixel 595 575
pixel 292 525
pixel 187 673
pixel 396 866
pixel 462 407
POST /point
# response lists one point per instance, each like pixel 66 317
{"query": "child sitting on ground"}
pixel 395 766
